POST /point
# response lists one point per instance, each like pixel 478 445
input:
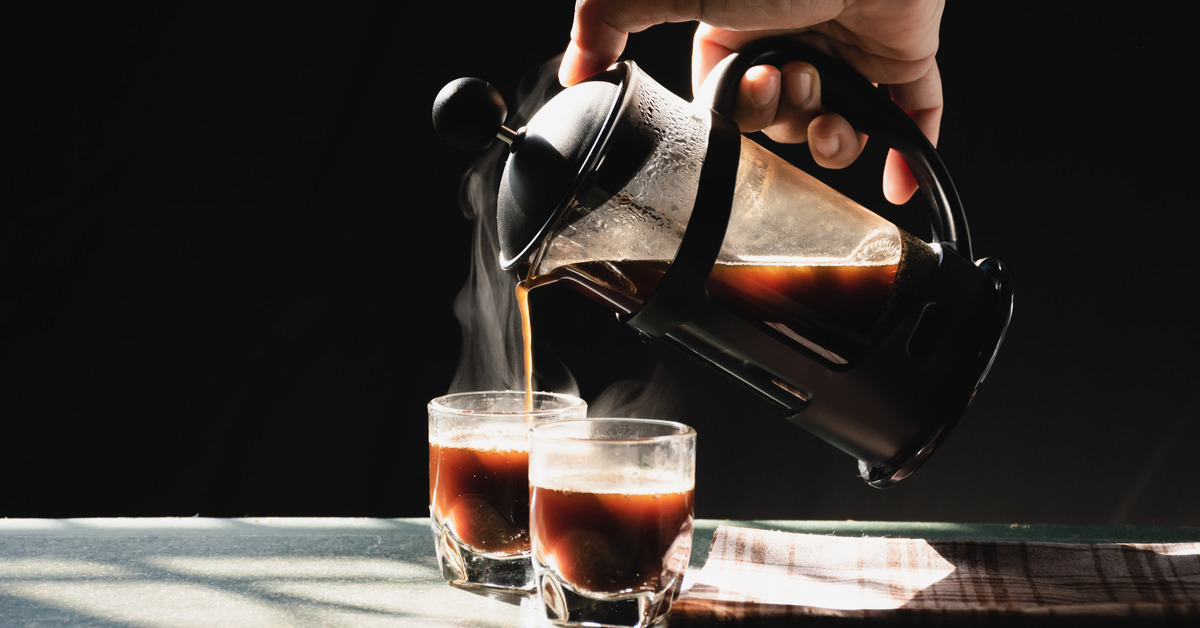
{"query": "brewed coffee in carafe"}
pixel 868 337
pixel 797 257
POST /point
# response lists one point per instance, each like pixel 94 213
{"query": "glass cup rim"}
pixel 444 403
pixel 544 431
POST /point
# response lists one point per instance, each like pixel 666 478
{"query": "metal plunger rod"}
pixel 507 135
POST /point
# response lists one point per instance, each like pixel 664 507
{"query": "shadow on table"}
pixel 258 572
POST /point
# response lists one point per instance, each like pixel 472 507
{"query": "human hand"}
pixel 886 41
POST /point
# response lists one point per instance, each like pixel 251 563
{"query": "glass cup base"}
pixel 565 606
pixel 508 576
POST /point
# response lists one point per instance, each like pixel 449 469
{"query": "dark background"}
pixel 233 243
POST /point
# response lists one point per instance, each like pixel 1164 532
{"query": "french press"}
pixel 661 210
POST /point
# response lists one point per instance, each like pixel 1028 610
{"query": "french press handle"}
pixel 869 109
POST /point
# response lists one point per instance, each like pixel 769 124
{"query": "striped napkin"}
pixel 763 577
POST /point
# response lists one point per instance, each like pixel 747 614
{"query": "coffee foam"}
pixel 617 482
pixel 481 441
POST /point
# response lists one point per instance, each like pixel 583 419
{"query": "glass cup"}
pixel 479 484
pixel 611 518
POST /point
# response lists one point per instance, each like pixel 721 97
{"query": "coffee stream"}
pixel 523 288
pixel 522 295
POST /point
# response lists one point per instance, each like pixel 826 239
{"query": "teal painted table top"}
pixel 324 571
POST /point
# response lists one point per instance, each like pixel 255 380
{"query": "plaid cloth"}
pixel 763 578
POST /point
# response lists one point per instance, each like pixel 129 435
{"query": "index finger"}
pixel 601 28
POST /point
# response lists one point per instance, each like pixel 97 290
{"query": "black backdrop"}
pixel 233 243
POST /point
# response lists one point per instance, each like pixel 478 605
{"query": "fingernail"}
pixel 765 86
pixel 568 68
pixel 799 87
pixel 827 146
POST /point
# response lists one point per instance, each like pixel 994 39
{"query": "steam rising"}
pixel 655 398
pixel 486 308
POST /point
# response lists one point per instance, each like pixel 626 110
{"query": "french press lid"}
pixel 579 149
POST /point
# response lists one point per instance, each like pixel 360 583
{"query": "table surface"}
pixel 324 571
